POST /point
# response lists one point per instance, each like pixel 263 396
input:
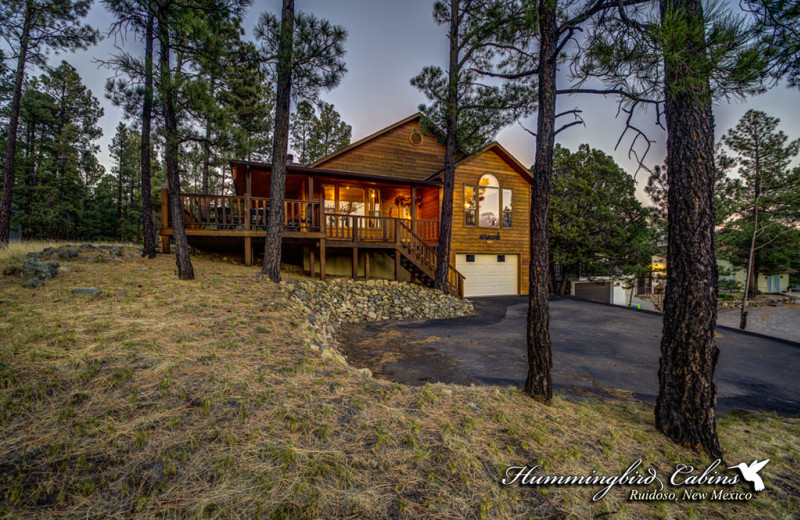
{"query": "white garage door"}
pixel 488 275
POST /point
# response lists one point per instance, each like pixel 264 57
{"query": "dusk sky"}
pixel 389 42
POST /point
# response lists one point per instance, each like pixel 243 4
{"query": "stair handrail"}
pixel 426 255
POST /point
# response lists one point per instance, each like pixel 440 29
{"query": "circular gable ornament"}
pixel 415 138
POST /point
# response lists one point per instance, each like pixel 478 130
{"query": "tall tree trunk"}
pixel 206 143
pixel 182 260
pixel 539 383
pixel 562 287
pixel 451 144
pixel 685 406
pixel 751 278
pixel 148 225
pixel 277 182
pixel 11 137
pixel 117 231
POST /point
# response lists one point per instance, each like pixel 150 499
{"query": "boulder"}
pixel 67 253
pixel 35 268
pixel 33 282
pixel 53 265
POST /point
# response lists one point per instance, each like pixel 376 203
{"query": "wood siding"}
pixel 513 240
pixel 392 154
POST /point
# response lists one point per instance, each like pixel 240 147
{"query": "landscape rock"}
pixel 11 270
pixel 92 291
pixel 33 282
pixel 98 259
pixel 327 305
pixel 35 268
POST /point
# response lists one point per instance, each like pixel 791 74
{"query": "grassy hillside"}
pixel 199 399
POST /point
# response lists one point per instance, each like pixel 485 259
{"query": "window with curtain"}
pixel 470 206
pixel 483 203
pixel 507 208
pixel 488 202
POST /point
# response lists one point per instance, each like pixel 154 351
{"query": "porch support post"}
pixel 248 251
pixel 322 259
pixel 355 262
pixel 165 244
pixel 247 180
pixel 312 259
pixel 310 187
pixel 397 264
pixel 413 205
pixel 366 263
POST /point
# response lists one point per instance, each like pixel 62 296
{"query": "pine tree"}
pixel 683 58
pixel 597 225
pixel 470 110
pixel 305 55
pixel 770 195
pixel 301 126
pixel 777 30
pixel 32 27
pixel 328 133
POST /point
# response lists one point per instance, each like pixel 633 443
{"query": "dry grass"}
pixel 162 398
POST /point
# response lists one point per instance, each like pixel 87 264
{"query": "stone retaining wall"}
pixel 327 305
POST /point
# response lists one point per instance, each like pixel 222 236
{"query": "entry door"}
pixel 774 283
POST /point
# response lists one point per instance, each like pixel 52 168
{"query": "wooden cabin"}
pixel 371 210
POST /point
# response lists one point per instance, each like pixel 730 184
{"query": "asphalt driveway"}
pixel 597 349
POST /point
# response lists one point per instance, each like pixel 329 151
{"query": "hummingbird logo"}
pixel 750 473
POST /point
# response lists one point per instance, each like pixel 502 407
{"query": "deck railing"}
pixel 225 212
pixel 359 228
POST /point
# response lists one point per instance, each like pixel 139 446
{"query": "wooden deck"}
pixel 221 222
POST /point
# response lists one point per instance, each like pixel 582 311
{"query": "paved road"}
pixel 598 349
pixel 781 322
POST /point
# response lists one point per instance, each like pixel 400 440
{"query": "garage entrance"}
pixel 594 291
pixel 488 275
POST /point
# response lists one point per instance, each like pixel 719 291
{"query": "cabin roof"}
pixel 309 170
pixel 504 154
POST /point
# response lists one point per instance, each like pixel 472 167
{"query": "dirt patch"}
pixel 389 353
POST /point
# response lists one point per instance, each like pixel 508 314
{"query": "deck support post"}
pixel 366 264
pixel 164 220
pixel 248 251
pixel 312 264
pixel 397 265
pixel 355 263
pixel 322 259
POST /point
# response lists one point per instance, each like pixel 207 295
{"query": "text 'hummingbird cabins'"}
pixel 371 210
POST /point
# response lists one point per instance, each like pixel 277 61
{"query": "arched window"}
pixel 486 205
pixel 489 180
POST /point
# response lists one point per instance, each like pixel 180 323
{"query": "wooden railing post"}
pixel 247 212
pixel 321 213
